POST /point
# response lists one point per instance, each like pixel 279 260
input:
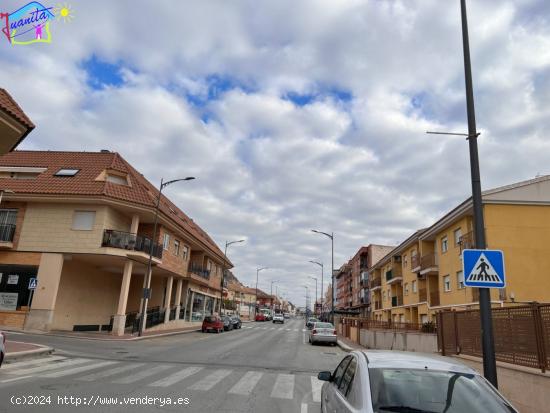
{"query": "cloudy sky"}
pixel 294 114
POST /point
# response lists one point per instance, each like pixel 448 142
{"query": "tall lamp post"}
pixel 227 244
pixel 146 289
pixel 307 298
pixel 331 236
pixel 271 295
pixel 320 264
pixel 257 272
pixel 315 305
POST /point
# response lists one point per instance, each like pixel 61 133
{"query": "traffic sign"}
pixel 483 268
pixel 32 283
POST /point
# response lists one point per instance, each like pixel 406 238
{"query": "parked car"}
pixel 278 318
pixel 212 322
pixel 323 333
pixel 310 322
pixel 392 381
pixel 237 323
pixel 260 317
pixel 2 347
pixel 227 323
pixel 286 316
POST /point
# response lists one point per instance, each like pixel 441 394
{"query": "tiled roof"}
pixel 10 106
pixel 84 183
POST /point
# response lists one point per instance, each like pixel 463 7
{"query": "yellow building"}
pixel 517 221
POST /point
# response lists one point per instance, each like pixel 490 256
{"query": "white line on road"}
pixel 15 378
pixel 316 385
pixel 141 375
pixel 11 366
pixel 284 387
pixel 247 383
pixel 176 377
pixel 50 366
pixel 111 372
pixel 78 369
pixel 211 380
pixel 304 408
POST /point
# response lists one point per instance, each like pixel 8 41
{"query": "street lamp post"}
pixel 146 289
pixel 227 244
pixel 271 295
pixel 331 236
pixel 256 303
pixel 320 264
pixel 315 305
pixel 307 298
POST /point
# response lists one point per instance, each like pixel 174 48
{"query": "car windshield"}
pixel 408 390
pixel 323 325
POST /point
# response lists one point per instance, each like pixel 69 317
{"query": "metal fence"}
pixel 349 327
pixel 521 334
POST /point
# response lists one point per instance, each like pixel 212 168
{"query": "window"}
pixel 116 179
pixel 8 219
pixel 406 288
pixel 83 220
pixel 67 172
pixel 457 235
pixel 444 244
pixel 185 252
pixel 347 377
pixel 339 372
pixel 447 283
pixel 176 247
pixel 166 242
pixel 404 260
pixel 460 279
pixel 414 287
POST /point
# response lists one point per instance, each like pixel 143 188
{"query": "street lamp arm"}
pixel 321 232
pixel 189 178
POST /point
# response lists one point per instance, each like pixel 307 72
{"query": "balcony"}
pixel 199 270
pixel 129 241
pixel 396 301
pixel 415 263
pixel 467 241
pixel 7 231
pixel 422 295
pixel 428 264
pixel 434 298
pixel 375 283
pixel 393 276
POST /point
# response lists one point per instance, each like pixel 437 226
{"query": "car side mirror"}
pixel 325 376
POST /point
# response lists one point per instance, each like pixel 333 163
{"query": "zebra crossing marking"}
pixel 111 372
pixel 247 383
pixel 284 387
pixel 141 375
pixel 49 366
pixel 211 380
pixel 176 377
pixel 75 370
pixel 11 366
pixel 316 385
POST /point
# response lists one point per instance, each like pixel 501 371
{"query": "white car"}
pixel 2 346
pixel 323 333
pixel 278 318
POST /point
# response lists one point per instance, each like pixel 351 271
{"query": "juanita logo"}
pixel 31 23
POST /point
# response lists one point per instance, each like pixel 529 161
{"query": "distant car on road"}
pixel 323 333
pixel 212 322
pixel 286 316
pixel 278 318
pixel 227 323
pixel 310 322
pixel 394 381
pixel 2 346
pixel 237 323
pixel 260 317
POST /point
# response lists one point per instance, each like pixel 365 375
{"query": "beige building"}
pixel 81 224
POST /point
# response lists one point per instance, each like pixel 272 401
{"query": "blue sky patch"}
pixel 303 99
pixel 102 74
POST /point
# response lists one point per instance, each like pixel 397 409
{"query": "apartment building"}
pixel 14 123
pixel 423 274
pixel 82 224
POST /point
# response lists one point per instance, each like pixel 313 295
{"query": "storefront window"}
pixel 14 286
pixel 209 306
pixel 197 313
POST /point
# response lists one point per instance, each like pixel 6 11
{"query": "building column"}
pixel 145 285
pixel 119 320
pixel 191 306
pixel 178 298
pixel 168 298
pixel 135 224
pixel 42 309
pixel 204 305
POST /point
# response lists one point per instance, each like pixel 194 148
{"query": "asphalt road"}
pixel 263 367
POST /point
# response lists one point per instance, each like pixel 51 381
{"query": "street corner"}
pixel 17 350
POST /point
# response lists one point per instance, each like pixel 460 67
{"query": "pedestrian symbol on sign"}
pixel 483 268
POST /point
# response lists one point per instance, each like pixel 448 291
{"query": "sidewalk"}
pixel 348 345
pixel 16 350
pixel 105 336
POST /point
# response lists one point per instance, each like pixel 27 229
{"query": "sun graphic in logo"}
pixel 64 12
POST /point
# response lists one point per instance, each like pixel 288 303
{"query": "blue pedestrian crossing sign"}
pixel 32 283
pixel 483 268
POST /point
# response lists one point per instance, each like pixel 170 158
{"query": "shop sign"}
pixel 8 301
pixel 13 279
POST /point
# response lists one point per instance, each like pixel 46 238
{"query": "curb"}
pixel 19 355
pixel 136 338
pixel 344 346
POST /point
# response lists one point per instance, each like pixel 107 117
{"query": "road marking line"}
pixel 14 379
pixel 304 408
pixel 316 385
pixel 247 383
pixel 176 377
pixel 50 366
pixel 78 369
pixel 288 329
pixel 284 387
pixel 141 375
pixel 211 380
pixel 11 366
pixel 111 372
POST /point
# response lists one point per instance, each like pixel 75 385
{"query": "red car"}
pixel 212 322
pixel 260 317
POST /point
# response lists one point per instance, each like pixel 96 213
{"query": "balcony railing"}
pixel 128 241
pixel 375 282
pixel 396 300
pixel 415 261
pixel 434 298
pixel 428 261
pixel 422 295
pixel 7 231
pixel 199 270
pixel 467 241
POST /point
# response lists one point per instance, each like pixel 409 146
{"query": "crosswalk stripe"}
pixel 316 385
pixel 247 383
pixel 11 366
pixel 284 387
pixel 141 375
pixel 211 380
pixel 49 366
pixel 296 329
pixel 176 377
pixel 78 369
pixel 111 372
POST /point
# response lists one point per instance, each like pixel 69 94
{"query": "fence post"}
pixel 539 335
pixel 457 345
pixel 440 334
